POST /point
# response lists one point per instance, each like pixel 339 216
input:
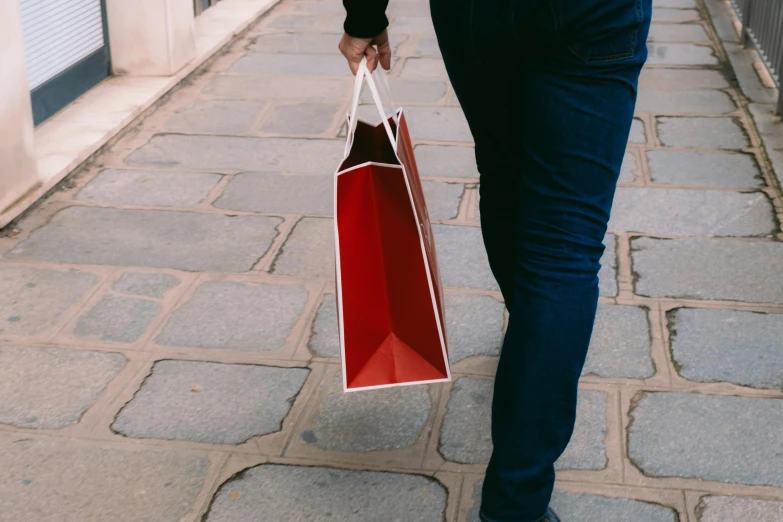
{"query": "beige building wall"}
pixel 18 173
pixel 150 37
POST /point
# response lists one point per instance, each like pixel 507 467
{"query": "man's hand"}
pixel 354 49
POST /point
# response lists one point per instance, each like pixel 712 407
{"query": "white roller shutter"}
pixel 59 34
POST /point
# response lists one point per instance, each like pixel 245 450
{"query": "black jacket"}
pixel 366 18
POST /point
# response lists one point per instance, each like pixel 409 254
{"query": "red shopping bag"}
pixel 389 297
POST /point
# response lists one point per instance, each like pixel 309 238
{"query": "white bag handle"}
pixel 361 75
pixel 386 90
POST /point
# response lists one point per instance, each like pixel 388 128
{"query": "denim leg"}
pixel 575 121
pixel 550 121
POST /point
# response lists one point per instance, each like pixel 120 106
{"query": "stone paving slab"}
pixel 412 25
pixel 210 402
pixel 32 300
pixel 370 420
pixel 412 91
pixel 607 276
pixel 305 43
pixel 333 24
pixel 707 133
pixel 149 285
pixel 628 168
pixel 638 134
pixel 465 435
pixel 474 326
pixel 309 250
pixel 728 346
pixel 49 387
pixel 704 169
pixel 731 509
pixel 302 118
pixel 424 69
pixel 103 483
pixel 685 102
pixel 708 269
pixel 279 88
pixel 473 513
pixel 291 64
pixel 620 346
pixel 294 21
pixel 438 124
pixel 295 493
pixel 662 14
pixel 428 47
pixel 587 449
pixel 462 259
pixel 215 116
pixel 301 156
pixel 677 4
pixel 193 241
pixel 118 319
pixel 447 162
pixel 303 20
pixel 148 188
pixel 680 54
pixel 237 316
pixel 443 199
pixel 678 80
pixel 692 212
pixel 734 428
pixel 574 506
pixel 409 8
pixel 325 340
pixel 279 193
pixel 677 33
pixel 316 6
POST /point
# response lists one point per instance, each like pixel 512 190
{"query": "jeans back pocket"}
pixel 606 31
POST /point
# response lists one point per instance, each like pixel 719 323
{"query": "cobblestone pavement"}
pixel 168 345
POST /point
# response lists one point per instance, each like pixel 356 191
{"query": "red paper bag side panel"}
pixel 406 156
pixel 410 299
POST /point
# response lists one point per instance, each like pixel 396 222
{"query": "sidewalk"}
pixel 168 340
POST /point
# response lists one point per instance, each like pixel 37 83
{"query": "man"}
pixel 548 88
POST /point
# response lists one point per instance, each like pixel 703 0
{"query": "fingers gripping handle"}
pixel 361 75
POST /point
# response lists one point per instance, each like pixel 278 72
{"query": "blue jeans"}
pixel 548 88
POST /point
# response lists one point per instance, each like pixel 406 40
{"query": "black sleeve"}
pixel 366 18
